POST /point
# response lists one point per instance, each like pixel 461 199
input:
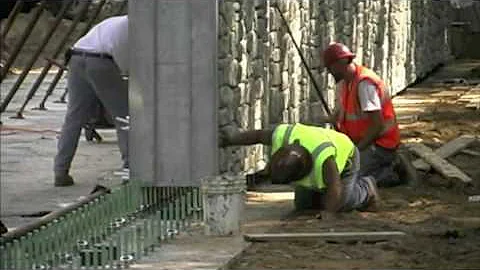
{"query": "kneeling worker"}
pixel 322 163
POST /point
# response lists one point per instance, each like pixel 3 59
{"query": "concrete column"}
pixel 173 97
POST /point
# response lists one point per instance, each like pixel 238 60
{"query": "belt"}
pixel 91 54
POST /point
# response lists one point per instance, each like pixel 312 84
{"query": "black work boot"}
pixel 373 196
pixel 405 169
pixel 63 180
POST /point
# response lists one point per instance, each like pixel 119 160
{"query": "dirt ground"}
pixel 442 226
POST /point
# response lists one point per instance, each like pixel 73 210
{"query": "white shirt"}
pixel 367 96
pixel 109 36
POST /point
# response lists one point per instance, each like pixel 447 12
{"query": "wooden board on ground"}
pixel 271 188
pixel 471 98
pixel 470 152
pixel 472 95
pixel 439 164
pixel 326 236
pixel 446 150
pixel 473 105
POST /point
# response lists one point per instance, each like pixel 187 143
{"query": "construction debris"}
pixel 471 98
pixel 438 163
pixel 474 198
pixel 325 236
pixel 447 150
pixel 470 152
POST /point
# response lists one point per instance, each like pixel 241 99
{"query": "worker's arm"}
pixel 263 136
pixel 371 105
pixel 373 132
pixel 334 184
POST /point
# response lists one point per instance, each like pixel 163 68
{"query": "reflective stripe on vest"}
pixel 317 141
pixel 315 154
pixel 354 122
pixel 288 133
pixel 360 115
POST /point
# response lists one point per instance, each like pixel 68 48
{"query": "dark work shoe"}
pixel 63 180
pixel 405 169
pixel 373 197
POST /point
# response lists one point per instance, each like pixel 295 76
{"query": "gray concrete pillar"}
pixel 173 97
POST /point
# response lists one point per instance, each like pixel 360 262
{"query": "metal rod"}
pixel 50 89
pixel 17 49
pixel 57 51
pixel 11 17
pixel 60 71
pixel 43 43
pixel 17 232
pixel 304 62
pixel 62 99
pixel 30 249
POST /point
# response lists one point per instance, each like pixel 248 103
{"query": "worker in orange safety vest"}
pixel 365 113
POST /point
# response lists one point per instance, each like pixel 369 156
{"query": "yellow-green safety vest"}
pixel 321 143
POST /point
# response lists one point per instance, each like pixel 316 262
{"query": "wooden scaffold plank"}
pixel 447 150
pixel 438 163
pixel 324 236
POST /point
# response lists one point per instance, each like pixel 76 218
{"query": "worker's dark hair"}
pixel 293 161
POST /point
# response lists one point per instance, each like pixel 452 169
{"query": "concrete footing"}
pixel 223 202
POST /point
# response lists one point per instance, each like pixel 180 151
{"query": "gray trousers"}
pixel 355 190
pixel 88 78
pixel 379 163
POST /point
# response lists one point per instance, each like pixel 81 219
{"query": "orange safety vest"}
pixel 355 123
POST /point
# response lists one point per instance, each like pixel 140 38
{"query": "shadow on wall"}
pixel 465 31
pixel 429 44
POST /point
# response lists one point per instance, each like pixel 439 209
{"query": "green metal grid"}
pixel 112 231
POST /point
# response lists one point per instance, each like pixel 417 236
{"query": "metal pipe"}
pixel 19 46
pixel 50 89
pixel 53 84
pixel 63 97
pixel 59 74
pixel 11 17
pixel 57 51
pixel 21 231
pixel 42 45
pixel 304 62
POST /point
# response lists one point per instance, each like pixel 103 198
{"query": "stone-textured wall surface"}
pixel 262 80
pixel 465 31
pixel 243 77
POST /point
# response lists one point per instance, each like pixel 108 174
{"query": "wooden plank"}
pixel 473 105
pixel 471 98
pixel 446 150
pixel 474 198
pixel 326 236
pixel 473 93
pixel 271 188
pixel 438 163
pixel 471 152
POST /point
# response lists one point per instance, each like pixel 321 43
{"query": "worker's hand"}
pixel 257 178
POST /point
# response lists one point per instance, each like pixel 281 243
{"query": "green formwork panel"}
pixel 110 231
